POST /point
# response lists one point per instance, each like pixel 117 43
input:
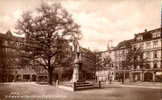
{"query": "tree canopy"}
pixel 48 30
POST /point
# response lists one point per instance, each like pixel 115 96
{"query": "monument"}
pixel 77 63
pixel 77 82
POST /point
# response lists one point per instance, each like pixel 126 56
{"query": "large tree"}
pixel 48 31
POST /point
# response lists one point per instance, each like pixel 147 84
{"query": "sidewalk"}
pixel 152 85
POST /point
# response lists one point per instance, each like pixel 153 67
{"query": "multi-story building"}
pixel 105 69
pixel 150 43
pixel 120 54
pixel 102 73
pixel 14 68
pixel 10 46
pixel 10 67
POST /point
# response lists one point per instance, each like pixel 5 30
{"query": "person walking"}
pixel 57 83
pixel 110 79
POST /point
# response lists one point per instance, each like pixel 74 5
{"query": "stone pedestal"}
pixel 75 76
pixel 77 73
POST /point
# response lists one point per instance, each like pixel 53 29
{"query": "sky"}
pixel 102 22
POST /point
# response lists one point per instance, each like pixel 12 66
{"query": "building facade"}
pixel 150 42
pixel 14 68
pixel 10 68
pixel 105 70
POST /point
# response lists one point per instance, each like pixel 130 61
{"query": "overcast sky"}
pixel 100 20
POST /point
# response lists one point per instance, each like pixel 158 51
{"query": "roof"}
pixel 150 31
pixel 122 44
pixel 8 36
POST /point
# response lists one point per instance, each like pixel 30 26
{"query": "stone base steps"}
pixel 66 87
pixel 78 86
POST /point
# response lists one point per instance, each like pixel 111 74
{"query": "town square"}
pixel 80 50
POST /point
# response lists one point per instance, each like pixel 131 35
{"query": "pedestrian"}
pixel 110 79
pixel 57 83
pixel 99 83
pixel 122 79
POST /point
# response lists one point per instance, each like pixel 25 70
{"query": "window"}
pixel 135 47
pixel 155 54
pixel 139 37
pixel 155 65
pixel 148 55
pixel 156 35
pixel 148 45
pixel 18 44
pixel 155 44
pixel 142 45
pixel 6 43
pixel 147 66
pixel 142 56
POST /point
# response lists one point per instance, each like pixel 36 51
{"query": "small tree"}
pixel 103 62
pixel 133 57
pixel 107 62
pixel 48 33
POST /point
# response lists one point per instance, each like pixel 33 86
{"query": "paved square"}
pixel 46 92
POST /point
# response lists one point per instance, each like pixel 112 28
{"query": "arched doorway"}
pixel 148 76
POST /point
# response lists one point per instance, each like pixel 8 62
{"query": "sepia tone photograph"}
pixel 80 50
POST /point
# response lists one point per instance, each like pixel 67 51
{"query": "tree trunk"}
pixel 50 76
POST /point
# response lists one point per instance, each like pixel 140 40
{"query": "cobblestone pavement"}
pixel 24 91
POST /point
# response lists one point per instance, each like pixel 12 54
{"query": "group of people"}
pixel 120 78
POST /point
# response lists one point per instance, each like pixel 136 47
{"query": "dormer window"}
pixel 139 38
